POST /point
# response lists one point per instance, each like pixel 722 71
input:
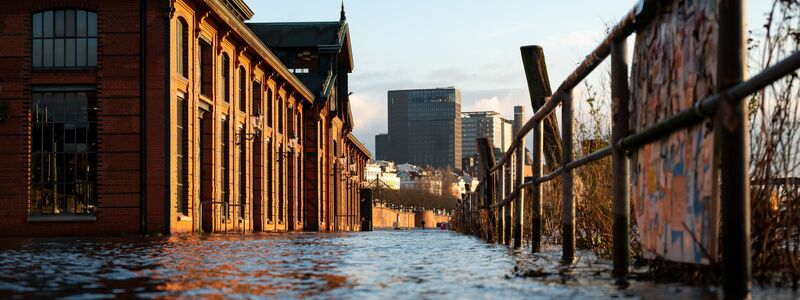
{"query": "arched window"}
pixel 182 47
pixel 270 102
pixel 226 77
pixel 64 39
pixel 281 112
pixel 242 89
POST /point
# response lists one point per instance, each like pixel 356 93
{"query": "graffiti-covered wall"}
pixel 672 188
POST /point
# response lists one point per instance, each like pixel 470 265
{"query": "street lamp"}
pixel 256 121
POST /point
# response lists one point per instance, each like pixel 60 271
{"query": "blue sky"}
pixel 470 44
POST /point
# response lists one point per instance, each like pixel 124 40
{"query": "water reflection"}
pixel 375 265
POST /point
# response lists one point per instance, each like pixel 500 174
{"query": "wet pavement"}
pixel 416 264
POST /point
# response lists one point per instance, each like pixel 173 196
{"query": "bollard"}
pixel 568 200
pixel 731 129
pixel 620 94
pixel 519 115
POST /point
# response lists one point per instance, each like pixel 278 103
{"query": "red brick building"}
pixel 164 116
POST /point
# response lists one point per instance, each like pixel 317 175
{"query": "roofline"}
pixel 429 89
pixel 359 145
pixel 259 47
pixel 490 113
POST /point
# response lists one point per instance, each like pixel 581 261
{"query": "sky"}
pixel 470 44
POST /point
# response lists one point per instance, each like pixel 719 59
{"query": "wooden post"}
pixel 731 129
pixel 509 180
pixel 568 200
pixel 499 196
pixel 536 190
pixel 620 93
pixel 539 89
pixel 519 115
pixel 487 162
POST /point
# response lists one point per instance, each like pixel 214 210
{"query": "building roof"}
pixel 297 34
pixel 258 46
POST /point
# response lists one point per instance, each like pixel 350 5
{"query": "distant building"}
pixel 484 124
pixel 382 146
pixel 424 128
pixel 381 174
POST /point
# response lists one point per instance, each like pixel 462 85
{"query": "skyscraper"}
pixel 424 128
pixel 484 124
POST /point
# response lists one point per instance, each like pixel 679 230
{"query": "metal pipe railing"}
pixel 726 106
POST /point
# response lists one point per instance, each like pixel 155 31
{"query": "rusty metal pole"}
pixel 519 116
pixel 731 126
pixel 620 94
pixel 568 200
pixel 536 190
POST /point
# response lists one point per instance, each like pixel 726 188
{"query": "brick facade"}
pixel 174 194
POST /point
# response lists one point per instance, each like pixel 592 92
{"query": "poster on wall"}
pixel 672 179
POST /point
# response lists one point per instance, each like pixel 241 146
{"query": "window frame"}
pixel 38 152
pixel 70 36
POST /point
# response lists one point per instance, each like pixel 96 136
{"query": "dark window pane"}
pixel 80 53
pixel 36 167
pixel 37 25
pixel 59 53
pixel 59 23
pixel 81 23
pixel 92 52
pixel 69 53
pixel 69 26
pixel 48 53
pixel 47 24
pixel 92 24
pixel 37 53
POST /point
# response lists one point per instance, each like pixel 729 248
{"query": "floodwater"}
pixel 410 264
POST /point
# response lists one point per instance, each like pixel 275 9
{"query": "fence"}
pixel 503 188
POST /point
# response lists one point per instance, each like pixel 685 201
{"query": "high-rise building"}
pixel 382 148
pixel 484 124
pixel 424 128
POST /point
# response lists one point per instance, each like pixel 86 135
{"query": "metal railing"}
pixel 499 192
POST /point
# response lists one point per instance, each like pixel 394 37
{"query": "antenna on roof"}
pixel 343 17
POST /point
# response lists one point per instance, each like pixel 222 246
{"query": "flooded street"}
pixel 413 264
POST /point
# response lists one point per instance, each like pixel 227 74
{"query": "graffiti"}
pixel 672 179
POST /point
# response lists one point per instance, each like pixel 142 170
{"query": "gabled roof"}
pixel 329 37
pixel 297 34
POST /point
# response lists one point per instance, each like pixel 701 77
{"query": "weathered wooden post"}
pixel 501 194
pixel 508 178
pixel 731 127
pixel 519 170
pixel 620 94
pixel 487 162
pixel 567 200
pixel 539 89
pixel 536 190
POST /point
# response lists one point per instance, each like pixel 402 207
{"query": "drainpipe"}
pixel 142 117
pixel 169 10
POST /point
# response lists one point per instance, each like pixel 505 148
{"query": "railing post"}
pixel 519 115
pixel 539 89
pixel 536 190
pixel 567 201
pixel 500 209
pixel 731 127
pixel 508 180
pixel 620 94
